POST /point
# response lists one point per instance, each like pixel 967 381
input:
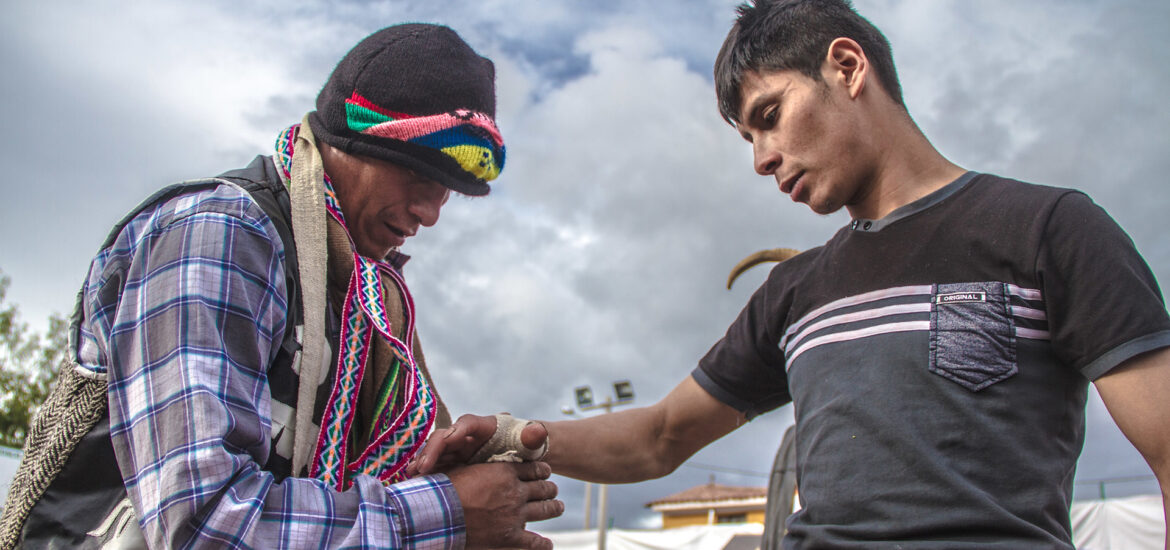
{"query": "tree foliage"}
pixel 28 367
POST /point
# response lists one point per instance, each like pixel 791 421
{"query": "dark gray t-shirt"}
pixel 938 360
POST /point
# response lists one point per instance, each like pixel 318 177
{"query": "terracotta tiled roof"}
pixel 711 492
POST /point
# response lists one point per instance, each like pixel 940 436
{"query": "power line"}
pixel 725 469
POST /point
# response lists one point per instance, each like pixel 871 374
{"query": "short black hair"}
pixel 779 35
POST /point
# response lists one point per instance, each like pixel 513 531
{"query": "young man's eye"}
pixel 771 114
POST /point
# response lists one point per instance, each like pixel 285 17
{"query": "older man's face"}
pixel 383 203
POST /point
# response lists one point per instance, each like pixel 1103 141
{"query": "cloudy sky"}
pixel 603 251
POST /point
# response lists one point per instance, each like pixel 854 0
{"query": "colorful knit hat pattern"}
pixel 416 95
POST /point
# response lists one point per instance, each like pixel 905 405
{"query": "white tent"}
pixel 1119 523
pixel 1134 523
pixel 696 537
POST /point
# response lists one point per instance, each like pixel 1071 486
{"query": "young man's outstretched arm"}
pixel 621 447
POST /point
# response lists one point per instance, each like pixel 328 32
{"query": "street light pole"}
pixel 588 503
pixel 568 411
pixel 625 396
pixel 603 521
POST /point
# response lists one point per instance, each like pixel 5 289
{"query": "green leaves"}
pixel 28 367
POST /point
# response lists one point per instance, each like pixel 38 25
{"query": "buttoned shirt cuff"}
pixel 431 516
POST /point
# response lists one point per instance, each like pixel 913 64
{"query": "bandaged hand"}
pixel 477 439
pixel 506 444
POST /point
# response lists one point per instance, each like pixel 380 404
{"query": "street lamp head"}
pixel 584 397
pixel 624 391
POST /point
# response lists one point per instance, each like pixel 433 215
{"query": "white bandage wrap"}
pixel 505 445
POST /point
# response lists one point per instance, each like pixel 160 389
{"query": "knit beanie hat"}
pixel 416 95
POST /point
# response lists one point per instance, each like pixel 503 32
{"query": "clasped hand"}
pixel 498 499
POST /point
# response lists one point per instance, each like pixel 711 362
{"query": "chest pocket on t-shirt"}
pixel 972 340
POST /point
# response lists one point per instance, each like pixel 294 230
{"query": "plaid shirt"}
pixel 184 312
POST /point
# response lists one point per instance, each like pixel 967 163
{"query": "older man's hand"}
pixel 499 499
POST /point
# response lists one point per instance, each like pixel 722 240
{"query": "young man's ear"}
pixel 846 65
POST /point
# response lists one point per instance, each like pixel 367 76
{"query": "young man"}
pixel 246 372
pixel 937 350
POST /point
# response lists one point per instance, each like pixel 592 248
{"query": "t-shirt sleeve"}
pixel 1104 304
pixel 745 368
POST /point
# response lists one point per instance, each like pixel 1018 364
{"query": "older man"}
pixel 246 369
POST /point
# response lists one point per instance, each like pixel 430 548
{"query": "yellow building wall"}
pixel 683 520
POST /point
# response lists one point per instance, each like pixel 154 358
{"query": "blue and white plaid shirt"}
pixel 184 312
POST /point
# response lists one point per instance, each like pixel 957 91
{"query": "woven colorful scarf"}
pixel 403 418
